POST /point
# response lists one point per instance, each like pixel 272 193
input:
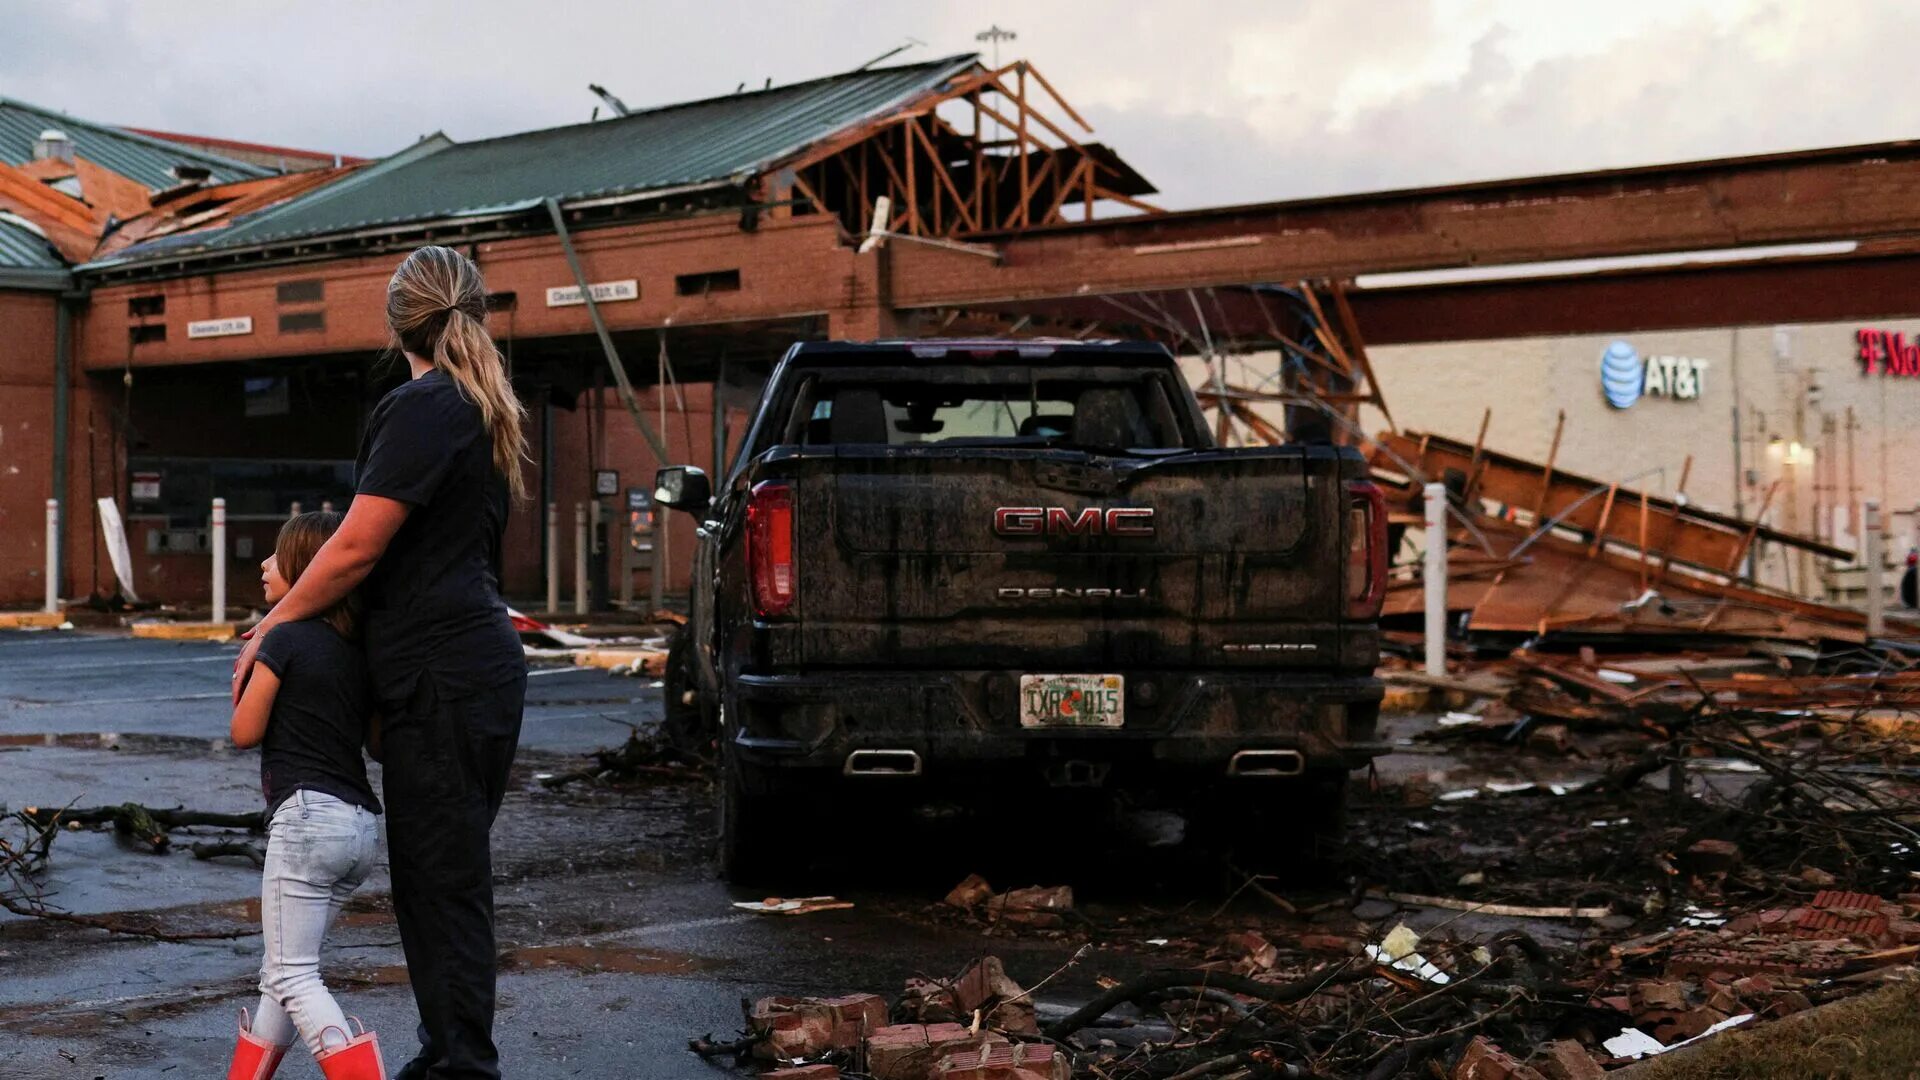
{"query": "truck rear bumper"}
pixel 1178 725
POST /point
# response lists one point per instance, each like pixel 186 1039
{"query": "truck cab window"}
pixel 1049 412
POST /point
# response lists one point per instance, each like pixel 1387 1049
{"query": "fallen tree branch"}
pixel 1276 993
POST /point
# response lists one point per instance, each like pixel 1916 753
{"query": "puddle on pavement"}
pixel 595 959
pixel 109 740
pixel 585 959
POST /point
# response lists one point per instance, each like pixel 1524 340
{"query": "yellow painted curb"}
pixel 184 631
pixel 651 661
pixel 31 620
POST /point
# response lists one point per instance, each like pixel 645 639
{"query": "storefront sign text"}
pixel 238 324
pixel 1886 352
pixel 604 292
pixel 1625 377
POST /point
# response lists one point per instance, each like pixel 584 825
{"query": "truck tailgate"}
pixel 1013 559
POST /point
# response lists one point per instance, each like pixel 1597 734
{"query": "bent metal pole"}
pixel 1436 579
pixel 219 545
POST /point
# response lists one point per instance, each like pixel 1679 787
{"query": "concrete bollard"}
pixel 1436 579
pixel 219 560
pixel 553 558
pixel 580 543
pixel 53 556
pixel 1876 586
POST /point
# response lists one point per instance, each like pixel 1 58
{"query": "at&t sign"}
pixel 1626 377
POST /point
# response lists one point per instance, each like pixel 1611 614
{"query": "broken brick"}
pixel 970 894
pixel 1568 1060
pixel 907 1051
pixel 1482 1060
pixel 1552 738
pixel 1327 943
pixel 1713 857
pixel 1658 995
pixel 1035 906
pixel 803 1072
pixel 1842 914
pixel 928 1002
pixel 1022 1061
pixel 1253 952
pixel 795 1027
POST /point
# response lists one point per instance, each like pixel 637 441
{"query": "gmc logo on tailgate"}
pixel 1059 521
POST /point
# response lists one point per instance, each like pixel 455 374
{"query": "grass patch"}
pixel 1875 1036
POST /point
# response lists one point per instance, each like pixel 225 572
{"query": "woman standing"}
pixel 437 467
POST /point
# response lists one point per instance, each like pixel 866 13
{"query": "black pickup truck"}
pixel 938 568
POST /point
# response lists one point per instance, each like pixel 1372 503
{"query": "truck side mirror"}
pixel 683 487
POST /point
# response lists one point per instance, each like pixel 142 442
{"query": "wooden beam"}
pixel 946 179
pixel 1062 190
pixel 1020 103
pixel 1029 191
pixel 1055 95
pixel 1546 474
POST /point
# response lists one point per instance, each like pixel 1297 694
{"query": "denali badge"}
pixel 1071 594
pixel 1059 521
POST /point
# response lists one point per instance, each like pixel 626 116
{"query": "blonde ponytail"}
pixel 437 310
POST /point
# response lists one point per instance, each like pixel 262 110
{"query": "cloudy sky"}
pixel 1214 100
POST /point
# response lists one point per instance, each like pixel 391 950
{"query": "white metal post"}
pixel 1876 588
pixel 580 542
pixel 553 558
pixel 1436 579
pixel 53 555
pixel 219 560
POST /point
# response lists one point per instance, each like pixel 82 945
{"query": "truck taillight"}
pixel 1366 550
pixel 770 548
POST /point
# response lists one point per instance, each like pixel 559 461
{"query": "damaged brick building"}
pixel 184 324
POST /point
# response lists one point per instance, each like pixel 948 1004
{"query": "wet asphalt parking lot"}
pixel 618 943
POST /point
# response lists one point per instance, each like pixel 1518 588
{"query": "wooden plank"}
pixel 1606 514
pixel 1062 190
pixel 1020 103
pixel 1055 95
pixel 1351 327
pixel 940 172
pixel 1746 542
pixel 1546 474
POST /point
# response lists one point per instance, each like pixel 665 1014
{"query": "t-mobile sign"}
pixel 1886 352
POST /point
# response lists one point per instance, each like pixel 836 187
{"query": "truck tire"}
pixel 688 725
pixel 746 825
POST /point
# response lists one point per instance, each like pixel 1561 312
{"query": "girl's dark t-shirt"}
pixel 319 719
pixel 433 601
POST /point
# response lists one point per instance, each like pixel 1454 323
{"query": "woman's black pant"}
pixel 447 753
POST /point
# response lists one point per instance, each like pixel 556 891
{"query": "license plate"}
pixel 1072 700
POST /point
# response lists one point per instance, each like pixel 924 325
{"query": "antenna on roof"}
pixel 619 107
pixel 895 51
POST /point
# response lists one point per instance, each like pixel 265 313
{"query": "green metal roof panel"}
pixel 141 158
pixel 21 248
pixel 27 260
pixel 673 146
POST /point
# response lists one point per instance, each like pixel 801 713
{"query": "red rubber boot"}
pixel 356 1059
pixel 253 1059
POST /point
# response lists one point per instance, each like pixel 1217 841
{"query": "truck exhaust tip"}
pixel 882 763
pixel 1267 763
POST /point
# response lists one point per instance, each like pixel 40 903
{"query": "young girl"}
pixel 308 706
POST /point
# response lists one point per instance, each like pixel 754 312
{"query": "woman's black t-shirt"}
pixel 433 601
pixel 319 719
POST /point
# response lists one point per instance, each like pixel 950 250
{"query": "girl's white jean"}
pixel 319 849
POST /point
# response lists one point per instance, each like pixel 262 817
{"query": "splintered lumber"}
pixel 1692 536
